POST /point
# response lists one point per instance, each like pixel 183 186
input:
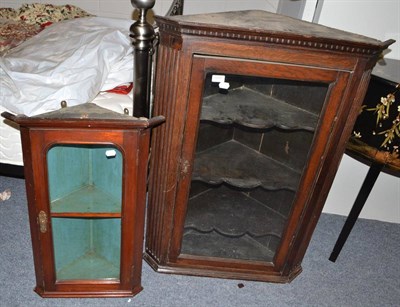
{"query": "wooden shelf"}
pixel 240 166
pixel 222 222
pixel 253 109
pixel 214 245
pixel 232 213
pixel 88 201
pixel 89 266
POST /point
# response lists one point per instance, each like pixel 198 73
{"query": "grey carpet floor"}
pixel 365 274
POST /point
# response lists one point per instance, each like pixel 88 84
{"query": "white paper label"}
pixel 218 78
pixel 224 85
pixel 111 153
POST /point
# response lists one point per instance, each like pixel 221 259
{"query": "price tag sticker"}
pixel 224 85
pixel 218 78
pixel 111 153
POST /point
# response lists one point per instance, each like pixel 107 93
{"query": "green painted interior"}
pixel 87 248
pixel 87 199
pixel 83 179
pixel 68 170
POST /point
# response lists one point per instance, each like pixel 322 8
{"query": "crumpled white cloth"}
pixel 72 60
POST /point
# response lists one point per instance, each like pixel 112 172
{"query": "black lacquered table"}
pixel 376 137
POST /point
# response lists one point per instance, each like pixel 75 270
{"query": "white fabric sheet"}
pixel 10 139
pixel 71 60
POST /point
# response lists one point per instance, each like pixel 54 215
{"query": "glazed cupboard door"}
pixel 80 220
pixel 85 193
pixel 259 131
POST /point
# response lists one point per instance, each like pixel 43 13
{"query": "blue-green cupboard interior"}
pixel 85 192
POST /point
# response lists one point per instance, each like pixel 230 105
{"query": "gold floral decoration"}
pixel 383 110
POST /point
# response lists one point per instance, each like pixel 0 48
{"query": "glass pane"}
pixel 85 178
pixel 87 248
pixel 253 144
pixel 85 187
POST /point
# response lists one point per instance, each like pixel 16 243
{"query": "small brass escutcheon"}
pixel 42 218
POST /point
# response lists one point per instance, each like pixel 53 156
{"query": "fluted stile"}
pixel 159 202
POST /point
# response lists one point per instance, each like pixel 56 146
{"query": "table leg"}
pixel 362 196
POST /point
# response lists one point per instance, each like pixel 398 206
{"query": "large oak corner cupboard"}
pixel 85 170
pixel 258 110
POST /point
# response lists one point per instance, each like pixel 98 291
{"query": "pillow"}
pixel 8 13
pixel 42 14
pixel 45 14
pixel 13 33
pixel 71 60
pixel 17 25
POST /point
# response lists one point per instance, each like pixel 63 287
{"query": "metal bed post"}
pixel 142 34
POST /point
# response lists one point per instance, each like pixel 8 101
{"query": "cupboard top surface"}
pixel 87 115
pixel 87 110
pixel 254 24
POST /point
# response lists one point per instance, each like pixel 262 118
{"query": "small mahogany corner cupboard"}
pixel 85 170
pixel 258 109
